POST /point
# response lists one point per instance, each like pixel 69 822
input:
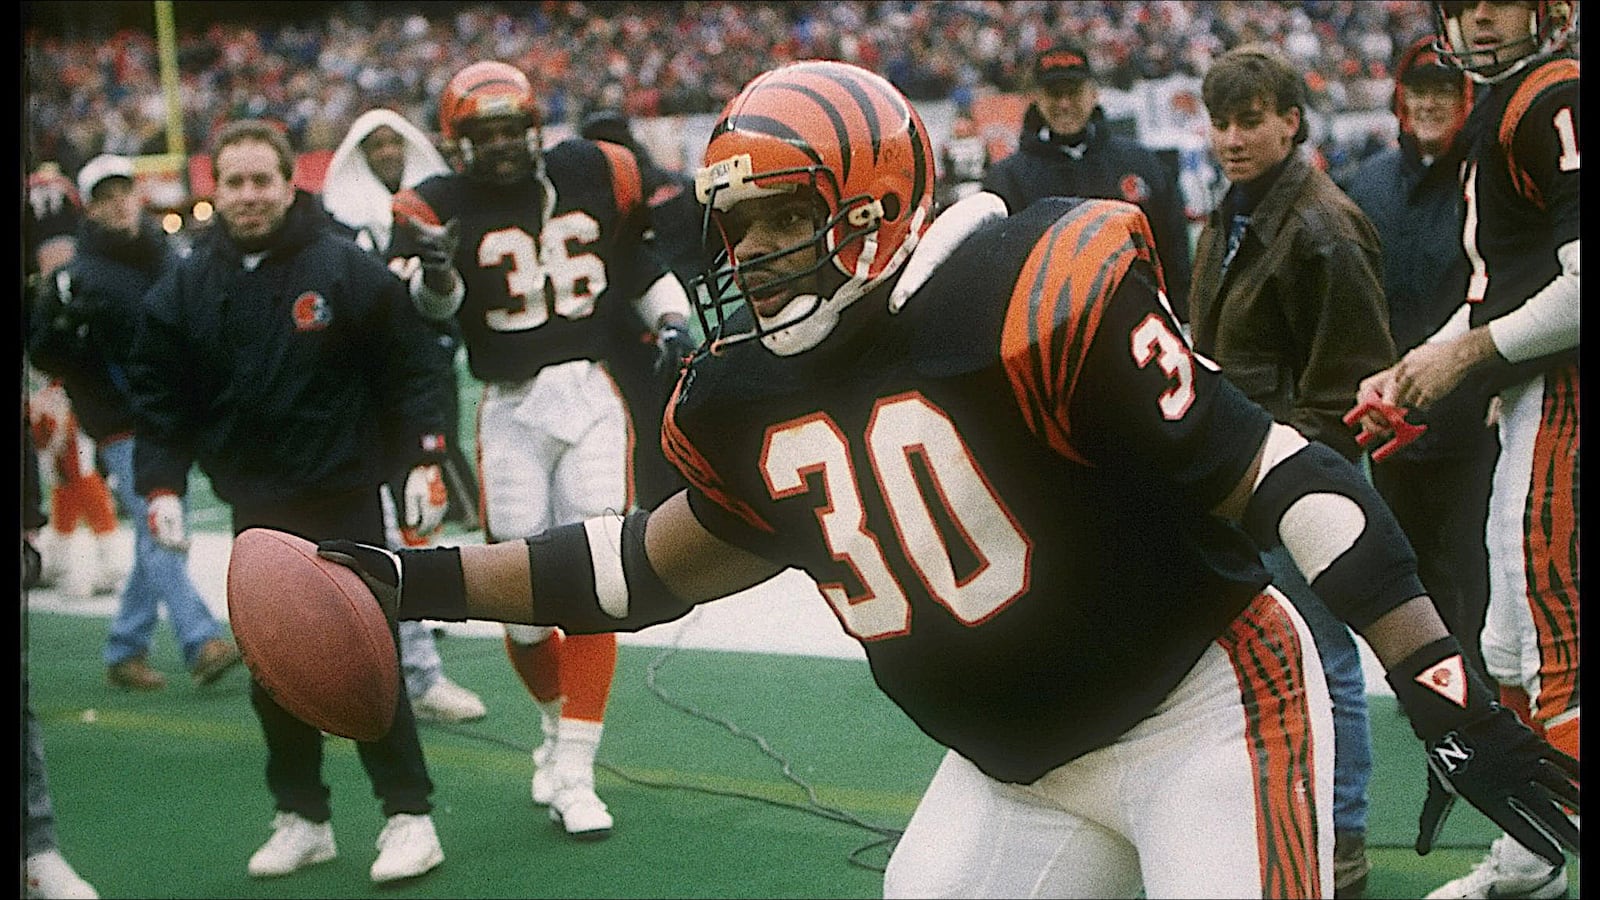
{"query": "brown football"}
pixel 312 635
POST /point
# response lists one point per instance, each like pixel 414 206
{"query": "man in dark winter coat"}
pixel 289 364
pixel 82 334
pixel 1066 150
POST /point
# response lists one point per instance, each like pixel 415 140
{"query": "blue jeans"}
pixel 1341 662
pixel 159 576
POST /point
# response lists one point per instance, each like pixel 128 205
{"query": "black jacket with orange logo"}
pixel 288 374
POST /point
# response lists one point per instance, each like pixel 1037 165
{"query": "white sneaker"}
pixel 1510 870
pixel 407 847
pixel 576 808
pixel 50 876
pixel 296 842
pixel 448 702
pixel 545 782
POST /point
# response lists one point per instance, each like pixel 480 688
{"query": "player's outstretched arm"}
pixel 1353 553
pixel 611 573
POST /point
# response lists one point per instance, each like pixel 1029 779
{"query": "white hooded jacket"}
pixel 355 197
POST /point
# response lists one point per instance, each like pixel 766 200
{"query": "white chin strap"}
pixel 811 319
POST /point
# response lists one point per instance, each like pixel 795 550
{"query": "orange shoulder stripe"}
pixel 699 471
pixel 627 186
pixel 1056 307
pixel 1546 75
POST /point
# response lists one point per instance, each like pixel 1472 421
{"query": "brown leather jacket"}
pixel 1299 318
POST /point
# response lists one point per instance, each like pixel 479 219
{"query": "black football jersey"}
pixel 1521 182
pixel 1002 490
pixel 545 269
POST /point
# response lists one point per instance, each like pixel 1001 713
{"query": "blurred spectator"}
pixel 1437 486
pixel 78 498
pixel 90 91
pixel 963 160
pixel 83 335
pixel 46 873
pixel 1287 300
pixel 1066 149
pixel 381 155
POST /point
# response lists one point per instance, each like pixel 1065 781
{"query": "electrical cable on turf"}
pixel 814 803
pixel 814 806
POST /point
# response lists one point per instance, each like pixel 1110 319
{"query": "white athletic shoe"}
pixel 51 877
pixel 544 785
pixel 577 809
pixel 407 847
pixel 296 842
pixel 448 702
pixel 1510 870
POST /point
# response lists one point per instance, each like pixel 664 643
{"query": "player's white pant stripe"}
pixel 605 554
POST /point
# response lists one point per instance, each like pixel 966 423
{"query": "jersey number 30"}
pixel 903 428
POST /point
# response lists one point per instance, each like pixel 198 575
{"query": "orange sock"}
pixel 538 665
pixel 99 508
pixel 588 663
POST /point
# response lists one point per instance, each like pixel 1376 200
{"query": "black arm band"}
pixel 433 586
pixel 1341 535
pixel 594 577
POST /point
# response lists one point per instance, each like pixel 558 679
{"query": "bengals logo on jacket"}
pixel 311 312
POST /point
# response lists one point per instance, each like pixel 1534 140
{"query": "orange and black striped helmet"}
pixel 485 90
pixel 843 127
pixel 848 134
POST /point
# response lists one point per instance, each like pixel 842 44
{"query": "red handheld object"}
pixel 1394 415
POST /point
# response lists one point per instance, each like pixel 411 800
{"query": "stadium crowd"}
pixel 101 93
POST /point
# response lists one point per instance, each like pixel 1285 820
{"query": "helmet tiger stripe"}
pixel 845 131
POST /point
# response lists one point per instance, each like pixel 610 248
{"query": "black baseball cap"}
pixel 1065 61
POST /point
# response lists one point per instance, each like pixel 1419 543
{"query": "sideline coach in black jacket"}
pixel 1065 150
pixel 290 365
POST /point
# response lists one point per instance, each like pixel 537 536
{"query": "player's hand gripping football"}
pixel 378 568
pixel 1477 749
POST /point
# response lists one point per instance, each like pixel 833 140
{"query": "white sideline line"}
pixel 783 616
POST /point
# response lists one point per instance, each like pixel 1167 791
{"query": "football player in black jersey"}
pixel 537 254
pixel 1519 329
pixel 1034 506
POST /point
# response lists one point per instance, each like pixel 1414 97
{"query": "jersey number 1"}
pixel 903 428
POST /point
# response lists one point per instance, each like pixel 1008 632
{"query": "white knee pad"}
pixel 528 635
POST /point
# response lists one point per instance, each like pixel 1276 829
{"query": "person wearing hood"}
pixel 1067 150
pixel 1438 486
pixel 380 156
pixel 289 365
pixel 82 335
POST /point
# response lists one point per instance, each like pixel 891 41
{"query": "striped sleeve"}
pixel 699 471
pixel 627 186
pixel 1057 305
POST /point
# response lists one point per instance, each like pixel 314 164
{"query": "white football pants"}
pixel 1226 790
pixel 553 450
